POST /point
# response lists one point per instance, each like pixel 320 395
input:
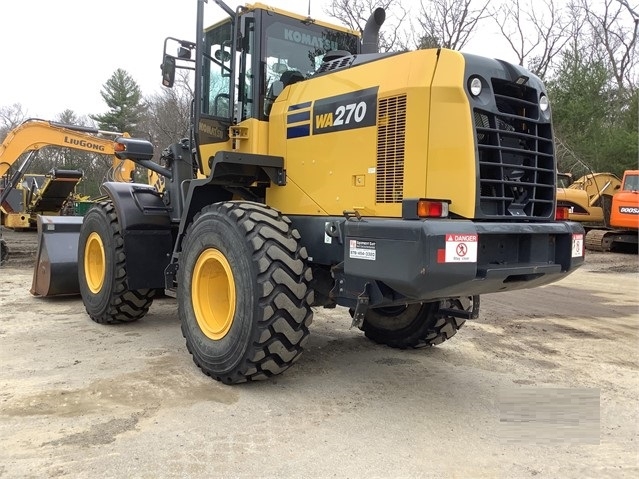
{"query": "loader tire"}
pixel 102 270
pixel 243 292
pixel 411 326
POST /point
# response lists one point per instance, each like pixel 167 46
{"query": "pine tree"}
pixel 123 96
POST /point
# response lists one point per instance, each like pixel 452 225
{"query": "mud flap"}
pixel 56 268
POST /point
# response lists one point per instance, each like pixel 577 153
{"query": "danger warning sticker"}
pixel 461 248
pixel 577 246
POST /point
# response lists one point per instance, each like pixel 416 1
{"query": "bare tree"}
pixel 449 23
pixel 615 28
pixel 10 117
pixel 169 113
pixel 536 32
pixel 355 13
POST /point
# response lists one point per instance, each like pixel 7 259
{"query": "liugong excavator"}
pixel 320 172
pixel 24 196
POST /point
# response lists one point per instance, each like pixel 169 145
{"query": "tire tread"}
pixel 284 295
pixel 125 305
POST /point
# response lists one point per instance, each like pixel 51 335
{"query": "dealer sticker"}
pixel 461 248
pixel 362 250
pixel 577 246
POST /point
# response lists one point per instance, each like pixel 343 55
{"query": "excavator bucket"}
pixel 56 268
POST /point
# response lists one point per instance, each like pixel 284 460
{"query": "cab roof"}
pixel 254 6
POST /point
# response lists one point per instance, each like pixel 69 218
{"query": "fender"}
pixel 228 170
pixel 146 230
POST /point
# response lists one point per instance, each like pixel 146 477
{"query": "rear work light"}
pixel 561 213
pixel 414 209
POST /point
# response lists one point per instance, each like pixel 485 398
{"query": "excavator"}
pixel 604 204
pixel 320 172
pixel 25 196
pixel 623 225
pixel 588 199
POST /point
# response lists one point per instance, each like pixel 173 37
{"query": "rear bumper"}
pixel 435 259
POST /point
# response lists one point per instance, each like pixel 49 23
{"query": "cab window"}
pixel 216 72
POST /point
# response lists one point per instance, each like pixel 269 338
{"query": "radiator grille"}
pixel 391 140
pixel 516 158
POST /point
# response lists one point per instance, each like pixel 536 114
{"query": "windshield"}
pixel 293 50
pixel 631 183
pixel 293 45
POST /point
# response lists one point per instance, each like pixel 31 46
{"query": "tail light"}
pixel 415 209
pixel 561 213
pixel 432 209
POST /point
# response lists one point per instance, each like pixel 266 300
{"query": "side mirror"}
pixel 184 53
pixel 222 55
pixel 168 71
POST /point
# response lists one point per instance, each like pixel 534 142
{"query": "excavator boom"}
pixel 32 135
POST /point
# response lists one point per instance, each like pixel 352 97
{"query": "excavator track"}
pixel 599 240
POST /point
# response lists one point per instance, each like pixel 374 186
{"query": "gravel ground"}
pixel 544 385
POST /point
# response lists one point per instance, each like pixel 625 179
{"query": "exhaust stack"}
pixel 370 35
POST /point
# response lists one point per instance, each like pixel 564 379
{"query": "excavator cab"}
pixel 625 204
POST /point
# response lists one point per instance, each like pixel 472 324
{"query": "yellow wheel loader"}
pixel 320 172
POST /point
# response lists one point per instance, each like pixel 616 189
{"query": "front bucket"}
pixel 56 269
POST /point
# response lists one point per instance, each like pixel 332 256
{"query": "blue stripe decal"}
pixel 297 117
pixel 299 106
pixel 298 131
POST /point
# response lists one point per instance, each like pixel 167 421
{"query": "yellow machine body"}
pixel 331 170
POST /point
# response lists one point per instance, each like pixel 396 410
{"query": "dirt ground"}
pixel 544 385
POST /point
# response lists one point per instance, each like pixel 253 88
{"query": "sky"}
pixel 57 54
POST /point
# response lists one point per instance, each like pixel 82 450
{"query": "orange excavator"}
pixel 624 217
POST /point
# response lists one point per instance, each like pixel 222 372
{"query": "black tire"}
pixel 412 326
pixel 249 252
pixel 103 286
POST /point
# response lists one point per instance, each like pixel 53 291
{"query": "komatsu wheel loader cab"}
pixel 322 173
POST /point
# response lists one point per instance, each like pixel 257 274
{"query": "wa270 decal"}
pixel 336 113
pixel 345 112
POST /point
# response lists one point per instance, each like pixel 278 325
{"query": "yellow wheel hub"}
pixel 94 263
pixel 213 293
